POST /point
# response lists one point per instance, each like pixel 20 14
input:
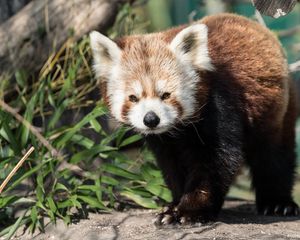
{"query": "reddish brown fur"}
pixel 251 59
pixel 255 68
pixel 139 53
pixel 261 71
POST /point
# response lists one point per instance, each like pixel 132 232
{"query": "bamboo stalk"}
pixel 15 169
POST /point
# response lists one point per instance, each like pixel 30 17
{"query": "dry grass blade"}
pixel 15 169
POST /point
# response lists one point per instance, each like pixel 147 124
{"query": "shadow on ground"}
pixel 244 212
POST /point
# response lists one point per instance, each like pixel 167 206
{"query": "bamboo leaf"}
pixel 89 153
pixel 7 200
pixel 97 112
pixel 60 186
pixel 26 175
pixel 142 201
pixel 130 140
pixel 51 204
pixel 120 172
pixel 160 191
pixel 109 180
pixel 93 202
pixel 14 228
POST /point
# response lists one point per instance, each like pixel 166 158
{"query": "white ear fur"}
pixel 106 53
pixel 190 46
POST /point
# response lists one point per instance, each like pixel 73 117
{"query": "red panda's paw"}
pixel 166 217
pixel 288 208
pixel 195 216
pixel 171 216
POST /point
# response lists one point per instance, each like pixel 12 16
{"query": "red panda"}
pixel 207 97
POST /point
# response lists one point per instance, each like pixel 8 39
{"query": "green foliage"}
pixel 88 174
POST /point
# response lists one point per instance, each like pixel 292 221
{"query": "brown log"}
pixel 42 26
pixel 10 7
pixel 274 8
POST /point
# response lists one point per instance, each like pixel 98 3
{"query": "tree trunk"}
pixel 42 26
pixel 10 7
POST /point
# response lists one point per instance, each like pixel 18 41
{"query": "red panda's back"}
pixel 252 57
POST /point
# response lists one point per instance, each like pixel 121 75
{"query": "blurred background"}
pixel 83 160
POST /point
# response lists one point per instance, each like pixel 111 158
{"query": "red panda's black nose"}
pixel 151 120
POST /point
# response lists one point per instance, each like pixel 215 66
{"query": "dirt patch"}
pixel 238 220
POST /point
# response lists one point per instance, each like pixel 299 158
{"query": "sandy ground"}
pixel 237 221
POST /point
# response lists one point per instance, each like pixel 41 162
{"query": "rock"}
pixel 238 220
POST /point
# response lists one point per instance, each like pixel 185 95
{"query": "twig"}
pixel 295 67
pixel 289 32
pixel 15 169
pixel 192 16
pixel 31 128
pixel 47 17
pixel 259 18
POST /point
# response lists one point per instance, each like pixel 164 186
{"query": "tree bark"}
pixel 42 26
pixel 10 7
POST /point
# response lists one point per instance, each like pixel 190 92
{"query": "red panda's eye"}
pixel 133 98
pixel 165 96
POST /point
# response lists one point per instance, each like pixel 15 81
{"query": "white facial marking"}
pixel 161 86
pixel 190 54
pixel 137 88
pixel 165 112
pixel 116 93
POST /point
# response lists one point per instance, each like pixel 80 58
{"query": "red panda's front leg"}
pixel 205 186
pixel 206 166
pixel 213 169
pixel 203 197
pixel 173 174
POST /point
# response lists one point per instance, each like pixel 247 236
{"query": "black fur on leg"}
pixel 199 171
pixel 272 160
pixel 272 168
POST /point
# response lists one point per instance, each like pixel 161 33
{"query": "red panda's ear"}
pixel 106 53
pixel 191 46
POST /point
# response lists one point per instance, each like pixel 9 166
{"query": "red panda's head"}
pixel 151 83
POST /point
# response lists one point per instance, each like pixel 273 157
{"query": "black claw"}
pixel 266 211
pixel 277 209
pixel 167 219
pixel 185 220
pixel 280 209
pixel 287 211
pixel 171 216
pixel 296 211
pixel 157 221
